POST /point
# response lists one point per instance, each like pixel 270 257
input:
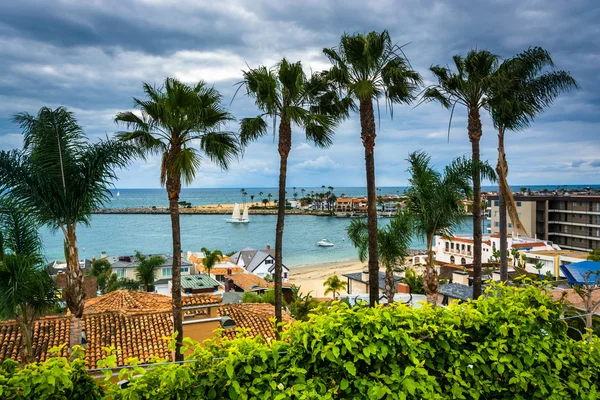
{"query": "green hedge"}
pixel 510 345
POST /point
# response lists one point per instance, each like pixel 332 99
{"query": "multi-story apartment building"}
pixel 570 221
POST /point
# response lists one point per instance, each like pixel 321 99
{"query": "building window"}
pixel 285 275
pixel 509 225
pixel 185 270
pixel 120 273
pixel 269 261
pixel 166 272
pixel 496 213
pixel 496 203
pixel 496 224
pixel 574 203
pixel 518 204
pixel 451 259
pixel 452 246
pixel 463 261
pixel 447 246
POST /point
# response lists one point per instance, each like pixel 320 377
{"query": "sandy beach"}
pixel 311 277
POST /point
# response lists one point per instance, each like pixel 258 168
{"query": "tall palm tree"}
pixel 286 93
pixel 145 272
pixel 393 242
pixel 368 67
pixel 468 86
pixel 211 258
pixel 270 196
pixel 61 178
pixel 303 191
pixel 334 285
pixel 519 92
pixel 26 290
pixel 435 203
pixel 173 118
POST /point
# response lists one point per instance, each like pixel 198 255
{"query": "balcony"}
pixel 574 211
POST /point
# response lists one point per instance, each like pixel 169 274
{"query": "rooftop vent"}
pixel 227 323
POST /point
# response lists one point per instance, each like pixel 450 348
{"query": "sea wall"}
pixel 203 211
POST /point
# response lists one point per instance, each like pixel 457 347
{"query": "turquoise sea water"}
pixel 122 234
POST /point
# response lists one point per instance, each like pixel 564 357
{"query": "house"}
pixel 258 262
pixel 138 325
pixel 124 267
pixel 218 272
pixel 358 282
pixel 458 249
pixel 245 283
pixel 58 267
pixel 199 283
pixel 90 285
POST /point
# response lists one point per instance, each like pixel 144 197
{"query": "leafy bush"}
pixel 56 378
pixel 511 344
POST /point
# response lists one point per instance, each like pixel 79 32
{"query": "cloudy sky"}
pixel 92 57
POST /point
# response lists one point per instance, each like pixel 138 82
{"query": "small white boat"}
pixel 235 216
pixel 118 193
pixel 325 243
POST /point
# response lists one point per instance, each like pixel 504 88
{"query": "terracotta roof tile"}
pixel 256 317
pixel 131 302
pixel 221 271
pixel 248 282
pixel 572 298
pixel 138 336
pixel 199 300
pixel 47 333
pixel 533 244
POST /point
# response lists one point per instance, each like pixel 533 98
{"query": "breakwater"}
pixel 204 211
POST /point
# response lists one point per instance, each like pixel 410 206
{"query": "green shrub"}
pixel 510 345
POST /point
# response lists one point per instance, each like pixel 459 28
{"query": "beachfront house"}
pixel 218 271
pixel 58 267
pixel 358 283
pixel 124 267
pixel 258 262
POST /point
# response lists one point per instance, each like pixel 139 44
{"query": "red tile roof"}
pixel 47 333
pixel 138 336
pixel 255 317
pixel 526 245
pixel 248 282
pixel 131 302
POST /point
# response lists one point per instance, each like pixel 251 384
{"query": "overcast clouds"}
pixel 92 56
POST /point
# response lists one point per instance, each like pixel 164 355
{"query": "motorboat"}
pixel 325 243
pixel 236 218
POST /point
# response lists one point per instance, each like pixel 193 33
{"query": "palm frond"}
pixel 221 147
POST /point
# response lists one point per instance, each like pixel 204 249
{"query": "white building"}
pixel 258 262
pixel 459 248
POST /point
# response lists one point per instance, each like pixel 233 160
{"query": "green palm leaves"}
pixel 211 258
pixel 61 178
pixel 286 93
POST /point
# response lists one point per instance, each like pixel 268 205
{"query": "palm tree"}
pixel 173 118
pixel 334 285
pixel 61 179
pixel 252 198
pixel 211 258
pixel 145 272
pixel 468 86
pixel 519 92
pixel 270 196
pixel 435 203
pixel 302 190
pixel 26 290
pixel 369 67
pixel 102 271
pixel 260 194
pixel 285 92
pixel 393 242
pixel 265 202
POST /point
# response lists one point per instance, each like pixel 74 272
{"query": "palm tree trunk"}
pixel 503 239
pixel 285 144
pixel 502 170
pixel 389 285
pixel 474 128
pixel 74 295
pixel 430 283
pixel 367 124
pixel 173 189
pixel 26 328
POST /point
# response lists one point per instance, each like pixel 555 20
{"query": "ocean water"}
pixel 122 234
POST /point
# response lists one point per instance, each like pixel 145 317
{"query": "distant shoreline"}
pixel 204 211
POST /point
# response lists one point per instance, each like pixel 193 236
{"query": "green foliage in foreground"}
pixel 510 345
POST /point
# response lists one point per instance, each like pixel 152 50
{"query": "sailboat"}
pixel 235 216
pixel 118 193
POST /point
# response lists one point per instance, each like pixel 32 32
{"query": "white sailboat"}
pixel 118 193
pixel 236 218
